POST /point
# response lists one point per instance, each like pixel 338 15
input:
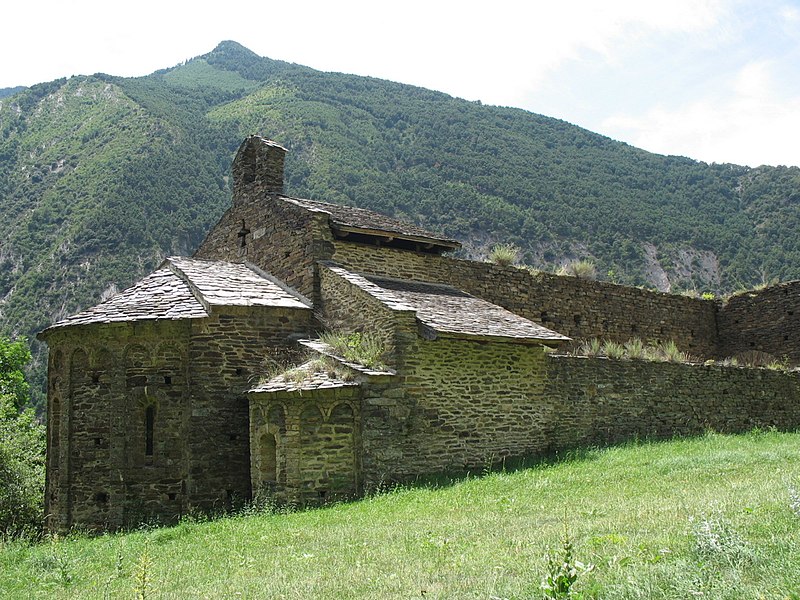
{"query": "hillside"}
pixel 102 176
pixel 711 517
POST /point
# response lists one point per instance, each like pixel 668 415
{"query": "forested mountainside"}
pixel 103 176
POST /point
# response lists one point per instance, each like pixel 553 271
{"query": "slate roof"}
pixel 186 288
pixel 361 220
pixel 450 311
pixel 310 377
pixel 235 284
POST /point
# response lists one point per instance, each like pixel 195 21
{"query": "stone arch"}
pixel 103 365
pixel 312 457
pixel 340 435
pixel 78 367
pixel 169 361
pixel 57 359
pixel 137 362
pixel 136 356
pixel 341 414
pixel 268 458
pixel 147 426
pixel 276 419
pixel 54 417
pixel 311 419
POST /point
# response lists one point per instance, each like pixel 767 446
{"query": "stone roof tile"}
pixel 361 219
pixel 235 284
pixel 160 295
pixel 448 310
pixel 185 288
pixel 308 376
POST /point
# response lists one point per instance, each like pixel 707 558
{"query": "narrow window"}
pixel 149 421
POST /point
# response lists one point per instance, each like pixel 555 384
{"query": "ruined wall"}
pixel 574 307
pixel 276 236
pixel 765 321
pixel 597 400
pixel 305 446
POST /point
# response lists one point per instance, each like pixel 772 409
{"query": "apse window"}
pixel 149 422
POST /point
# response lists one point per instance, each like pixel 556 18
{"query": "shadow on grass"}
pixel 492 466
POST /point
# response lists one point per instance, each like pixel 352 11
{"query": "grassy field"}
pixel 711 517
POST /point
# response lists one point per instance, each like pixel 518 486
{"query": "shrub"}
pixel 592 347
pixel 715 539
pixel 504 254
pixel 563 571
pixel 22 469
pixel 582 269
pixel 669 352
pixel 794 500
pixel 22 447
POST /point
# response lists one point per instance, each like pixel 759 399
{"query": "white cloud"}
pixel 752 125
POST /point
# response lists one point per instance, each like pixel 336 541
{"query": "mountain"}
pixel 102 176
pixel 10 91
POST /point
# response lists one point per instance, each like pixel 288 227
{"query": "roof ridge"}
pixel 281 284
pixel 178 272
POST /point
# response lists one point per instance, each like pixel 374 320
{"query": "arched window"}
pixel 149 423
pixel 269 459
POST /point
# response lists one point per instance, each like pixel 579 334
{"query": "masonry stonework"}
pixel 165 398
pixel 578 308
pixel 766 321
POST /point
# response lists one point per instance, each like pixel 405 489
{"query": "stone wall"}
pixel 575 307
pixel 461 404
pixel 277 236
pixel 101 472
pixel 229 351
pixel 257 169
pixel 149 419
pixel 597 400
pixel 765 321
pixel 468 405
pixel 305 445
pixel 346 307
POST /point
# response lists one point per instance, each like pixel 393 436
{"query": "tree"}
pixel 22 447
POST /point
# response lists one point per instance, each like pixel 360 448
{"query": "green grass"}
pixel 649 516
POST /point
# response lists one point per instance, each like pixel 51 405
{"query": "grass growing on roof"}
pixel 366 348
pixel 648 516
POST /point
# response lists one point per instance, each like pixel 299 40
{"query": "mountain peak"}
pixel 231 49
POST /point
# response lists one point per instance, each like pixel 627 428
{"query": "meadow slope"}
pixel 710 517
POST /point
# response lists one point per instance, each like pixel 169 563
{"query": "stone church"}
pixel 165 398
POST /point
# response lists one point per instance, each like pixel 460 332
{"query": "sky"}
pixel 714 80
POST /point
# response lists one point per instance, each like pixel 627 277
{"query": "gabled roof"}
pixel 186 288
pixel 448 311
pixel 220 283
pixel 345 220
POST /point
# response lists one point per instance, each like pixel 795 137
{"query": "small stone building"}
pixel 168 397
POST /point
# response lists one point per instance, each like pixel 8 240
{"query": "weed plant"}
pixel 504 255
pixel 582 269
pixel 366 348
